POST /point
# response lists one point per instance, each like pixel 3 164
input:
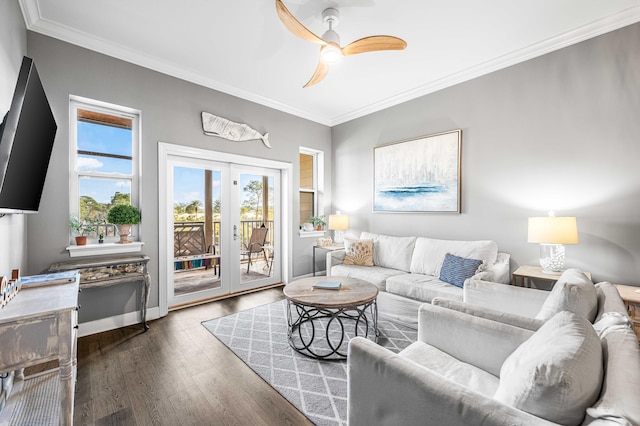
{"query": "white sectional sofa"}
pixel 473 366
pixel 406 270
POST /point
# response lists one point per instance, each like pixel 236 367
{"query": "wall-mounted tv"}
pixel 26 140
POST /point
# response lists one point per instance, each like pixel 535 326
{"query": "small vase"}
pixel 124 231
pixel 81 240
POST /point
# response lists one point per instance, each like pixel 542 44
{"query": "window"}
pixel 310 183
pixel 105 165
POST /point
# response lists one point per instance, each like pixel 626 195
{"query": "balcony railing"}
pixel 246 227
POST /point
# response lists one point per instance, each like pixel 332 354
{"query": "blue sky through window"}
pixel 188 184
pixel 104 139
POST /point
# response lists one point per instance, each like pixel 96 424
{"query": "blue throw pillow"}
pixel 455 269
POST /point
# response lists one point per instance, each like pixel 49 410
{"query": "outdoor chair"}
pixel 190 249
pixel 255 245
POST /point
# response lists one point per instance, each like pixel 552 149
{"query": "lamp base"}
pixel 338 236
pixel 552 258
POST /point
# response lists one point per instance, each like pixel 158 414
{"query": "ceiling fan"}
pixel 330 50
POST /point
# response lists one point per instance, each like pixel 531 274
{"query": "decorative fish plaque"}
pixel 237 132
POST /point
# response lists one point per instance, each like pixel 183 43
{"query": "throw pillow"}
pixel 574 292
pixel 557 373
pixel 358 252
pixel 456 270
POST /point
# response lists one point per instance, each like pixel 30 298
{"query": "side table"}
pixel 631 297
pixel 525 274
pixel 332 247
pixel 40 325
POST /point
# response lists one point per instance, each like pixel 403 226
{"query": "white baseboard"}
pixel 111 323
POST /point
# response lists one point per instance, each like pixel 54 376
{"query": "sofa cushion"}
pixel 455 269
pixel 422 287
pixel 618 402
pixel 573 292
pixel 556 373
pixel 391 252
pixel 376 275
pixel 429 253
pixel 451 368
pixel 358 252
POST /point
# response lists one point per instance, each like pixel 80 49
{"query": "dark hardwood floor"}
pixel 176 373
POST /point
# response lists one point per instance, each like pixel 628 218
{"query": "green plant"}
pixel 317 220
pixel 78 227
pixel 124 214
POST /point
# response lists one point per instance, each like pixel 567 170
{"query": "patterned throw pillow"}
pixel 359 252
pixel 456 270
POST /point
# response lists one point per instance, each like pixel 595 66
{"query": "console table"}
pixel 631 298
pixel 106 272
pixel 525 274
pixel 331 247
pixel 39 325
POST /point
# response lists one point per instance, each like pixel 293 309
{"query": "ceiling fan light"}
pixel 330 53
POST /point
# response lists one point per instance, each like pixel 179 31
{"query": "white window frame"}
pixel 318 186
pixel 77 102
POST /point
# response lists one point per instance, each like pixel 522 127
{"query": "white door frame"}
pixel 165 252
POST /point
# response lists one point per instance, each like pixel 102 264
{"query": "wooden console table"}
pixel 39 325
pixel 631 298
pixel 332 247
pixel 525 274
pixel 106 272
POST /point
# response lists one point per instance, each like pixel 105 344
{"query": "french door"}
pixel 222 226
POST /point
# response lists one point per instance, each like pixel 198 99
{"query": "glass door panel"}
pixel 198 252
pixel 257 226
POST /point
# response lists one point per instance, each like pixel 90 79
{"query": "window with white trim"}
pixel 310 183
pixel 105 163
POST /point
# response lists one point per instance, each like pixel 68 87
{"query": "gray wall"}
pixel 13 46
pixel 170 113
pixel 557 132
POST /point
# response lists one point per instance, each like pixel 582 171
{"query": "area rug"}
pixel 36 401
pixel 318 389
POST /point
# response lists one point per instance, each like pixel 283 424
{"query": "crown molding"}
pixel 593 29
pixel 35 22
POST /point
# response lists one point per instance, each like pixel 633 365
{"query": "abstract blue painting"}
pixel 418 175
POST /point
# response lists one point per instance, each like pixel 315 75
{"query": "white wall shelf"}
pixel 106 248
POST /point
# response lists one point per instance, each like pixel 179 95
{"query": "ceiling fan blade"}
pixel 321 72
pixel 373 43
pixel 295 26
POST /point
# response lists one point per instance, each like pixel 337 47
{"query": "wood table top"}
pixel 352 292
pixel 629 293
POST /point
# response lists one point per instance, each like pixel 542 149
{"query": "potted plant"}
pixel 79 229
pixel 123 216
pixel 318 222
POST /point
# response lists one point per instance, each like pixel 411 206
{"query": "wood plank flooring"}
pixel 176 373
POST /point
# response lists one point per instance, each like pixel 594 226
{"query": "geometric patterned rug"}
pixel 317 388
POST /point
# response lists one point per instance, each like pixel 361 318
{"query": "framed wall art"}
pixel 420 175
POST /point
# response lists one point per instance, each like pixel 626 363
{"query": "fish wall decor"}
pixel 237 132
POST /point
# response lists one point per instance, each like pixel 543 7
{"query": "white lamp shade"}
pixel 553 230
pixel 338 222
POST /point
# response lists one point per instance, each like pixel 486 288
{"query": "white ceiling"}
pixel 240 47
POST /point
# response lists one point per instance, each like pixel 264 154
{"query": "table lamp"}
pixel 552 233
pixel 338 223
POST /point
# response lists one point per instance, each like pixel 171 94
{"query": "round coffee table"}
pixel 318 318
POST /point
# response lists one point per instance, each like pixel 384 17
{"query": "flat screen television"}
pixel 27 134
